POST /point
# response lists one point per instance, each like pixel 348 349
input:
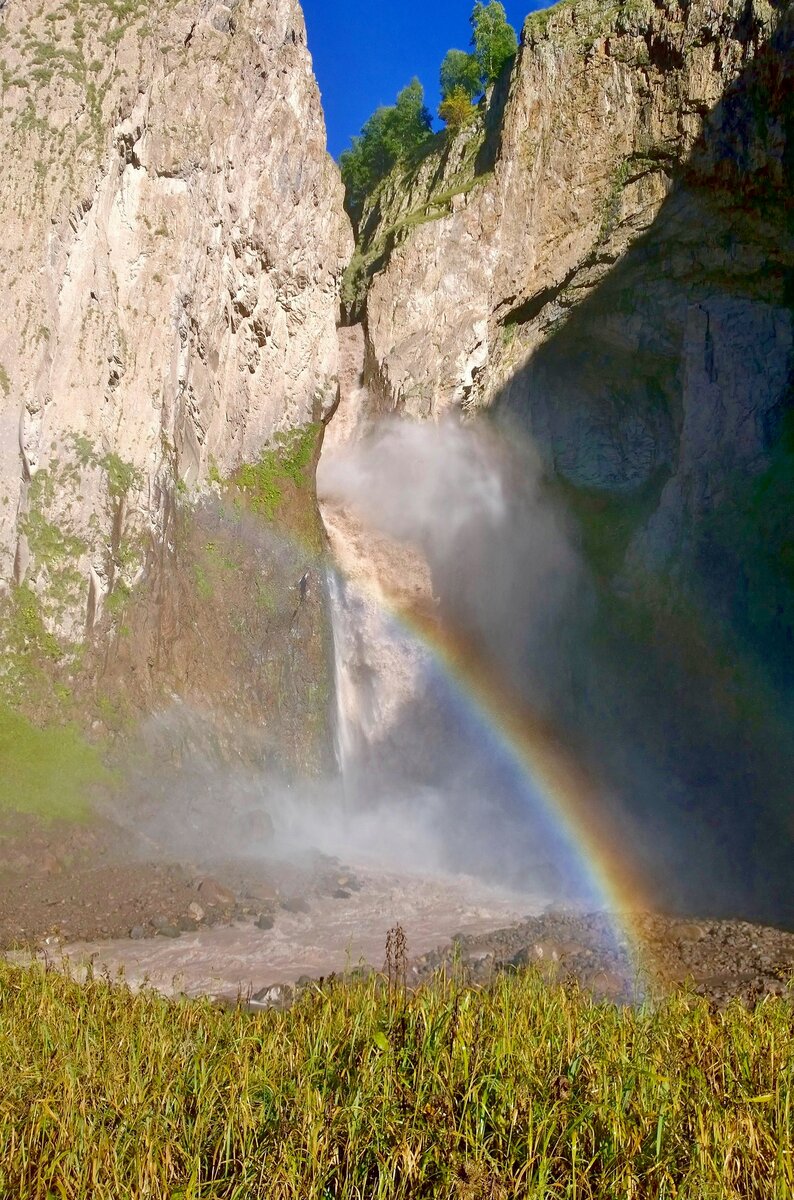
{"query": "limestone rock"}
pixel 172 242
pixel 605 254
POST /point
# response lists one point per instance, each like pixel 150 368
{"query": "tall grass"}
pixel 361 1091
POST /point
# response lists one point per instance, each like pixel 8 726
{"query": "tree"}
pixel 410 121
pixel 493 38
pixel 456 109
pixel 460 72
pixel 392 134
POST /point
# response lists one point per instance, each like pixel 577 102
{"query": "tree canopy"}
pixel 456 109
pixel 460 72
pixel 391 135
pixel 395 132
pixel 493 38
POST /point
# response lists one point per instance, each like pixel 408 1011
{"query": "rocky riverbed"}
pixel 258 928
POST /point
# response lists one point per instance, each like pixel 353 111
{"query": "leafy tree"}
pixel 460 72
pixel 493 38
pixel 391 135
pixel 410 121
pixel 457 109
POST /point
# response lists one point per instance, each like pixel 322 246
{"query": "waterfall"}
pixel 344 730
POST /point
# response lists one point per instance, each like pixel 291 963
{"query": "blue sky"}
pixel 365 50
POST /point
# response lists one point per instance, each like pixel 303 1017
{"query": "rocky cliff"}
pixel 172 244
pixel 605 261
pixel 607 255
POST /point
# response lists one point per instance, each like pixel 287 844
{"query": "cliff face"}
pixel 615 245
pixel 172 243
pixel 606 261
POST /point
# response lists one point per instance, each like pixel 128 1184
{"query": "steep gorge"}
pixel 603 262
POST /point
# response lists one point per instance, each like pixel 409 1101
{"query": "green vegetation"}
pixel 494 40
pixel 521 1090
pixel 123 477
pixel 456 109
pixel 391 135
pixel 287 462
pixel 401 133
pixel 29 649
pixel 47 772
pixel 460 72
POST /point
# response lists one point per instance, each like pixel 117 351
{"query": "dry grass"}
pixel 361 1091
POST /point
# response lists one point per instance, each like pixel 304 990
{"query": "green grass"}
pixel 523 1090
pixel 46 772
pixel 287 462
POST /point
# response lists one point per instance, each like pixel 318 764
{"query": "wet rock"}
pixel 265 921
pixel 187 925
pixel 196 911
pixel 690 931
pixel 215 894
pixel 295 904
pixel 340 894
pixel 277 995
pixel 262 890
pixel 256 826
pixel 48 864
pixel 606 985
pixel 169 931
pixel 137 932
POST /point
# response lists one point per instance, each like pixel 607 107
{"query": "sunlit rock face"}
pixel 173 239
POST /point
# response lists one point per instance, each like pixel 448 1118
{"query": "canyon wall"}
pixel 172 244
pixel 603 261
pixel 607 253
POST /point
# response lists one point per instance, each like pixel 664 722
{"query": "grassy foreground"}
pixel 523 1090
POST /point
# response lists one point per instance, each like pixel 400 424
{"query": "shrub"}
pixel 456 109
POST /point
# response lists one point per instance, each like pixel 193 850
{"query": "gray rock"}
pixel 215 894
pixel 265 921
pixel 277 995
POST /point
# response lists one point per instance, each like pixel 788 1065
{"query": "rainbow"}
pixel 570 796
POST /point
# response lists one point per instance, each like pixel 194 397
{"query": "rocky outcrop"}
pixel 605 262
pixel 621 233
pixel 173 240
